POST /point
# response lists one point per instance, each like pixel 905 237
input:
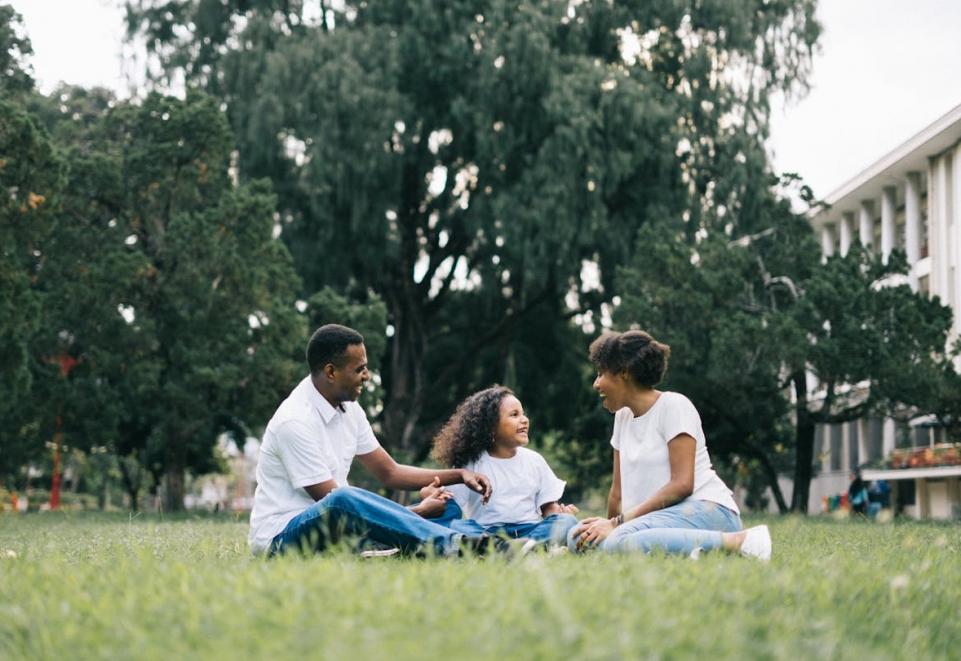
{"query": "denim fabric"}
pixel 680 529
pixel 552 529
pixel 351 513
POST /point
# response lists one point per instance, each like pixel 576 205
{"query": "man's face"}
pixel 348 380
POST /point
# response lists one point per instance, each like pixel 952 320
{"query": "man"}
pixel 303 500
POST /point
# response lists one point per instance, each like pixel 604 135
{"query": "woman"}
pixel 665 495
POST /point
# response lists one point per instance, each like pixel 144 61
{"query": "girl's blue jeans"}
pixel 680 529
pixel 552 529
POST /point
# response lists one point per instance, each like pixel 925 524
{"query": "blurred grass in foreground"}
pixel 94 586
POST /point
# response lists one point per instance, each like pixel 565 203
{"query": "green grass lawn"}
pixel 91 586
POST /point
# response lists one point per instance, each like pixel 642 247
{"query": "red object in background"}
pixel 67 363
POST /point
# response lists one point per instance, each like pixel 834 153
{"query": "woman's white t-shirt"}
pixel 521 485
pixel 645 463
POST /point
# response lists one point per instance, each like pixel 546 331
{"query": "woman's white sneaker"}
pixel 757 543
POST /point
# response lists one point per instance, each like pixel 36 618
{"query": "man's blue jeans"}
pixel 360 515
pixel 681 528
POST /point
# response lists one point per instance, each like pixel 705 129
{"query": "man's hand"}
pixel 477 483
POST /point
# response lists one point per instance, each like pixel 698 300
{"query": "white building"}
pixel 911 200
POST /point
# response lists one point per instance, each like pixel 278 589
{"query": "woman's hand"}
pixel 592 532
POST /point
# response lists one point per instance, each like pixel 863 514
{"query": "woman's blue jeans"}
pixel 680 529
pixel 358 515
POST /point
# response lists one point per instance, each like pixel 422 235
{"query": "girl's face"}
pixel 511 432
pixel 612 388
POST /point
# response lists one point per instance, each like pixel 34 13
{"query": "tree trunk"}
pixel 131 483
pixel 804 446
pixel 175 467
pixel 771 475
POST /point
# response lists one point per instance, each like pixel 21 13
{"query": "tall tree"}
pixel 470 162
pixel 32 175
pixel 166 284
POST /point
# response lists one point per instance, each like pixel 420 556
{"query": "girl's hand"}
pixel 568 509
pixel 433 502
pixel 432 488
pixel 592 532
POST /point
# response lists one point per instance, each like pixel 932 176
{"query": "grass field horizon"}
pixel 119 586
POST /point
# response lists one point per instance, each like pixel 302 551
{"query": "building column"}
pixel 845 232
pixel 912 225
pixel 889 436
pixel 866 223
pixel 954 236
pixel 827 242
pixel 888 220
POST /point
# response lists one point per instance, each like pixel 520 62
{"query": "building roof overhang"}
pixel 892 169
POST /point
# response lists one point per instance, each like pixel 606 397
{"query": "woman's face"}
pixel 512 429
pixel 612 388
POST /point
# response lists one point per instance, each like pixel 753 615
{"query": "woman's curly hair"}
pixel 634 352
pixel 470 431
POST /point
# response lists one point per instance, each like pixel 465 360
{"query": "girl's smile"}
pixel 512 430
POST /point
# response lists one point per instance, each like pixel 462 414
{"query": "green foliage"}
pixel 141 588
pixel 32 175
pixel 464 161
pixel 749 319
pixel 15 51
pixel 164 284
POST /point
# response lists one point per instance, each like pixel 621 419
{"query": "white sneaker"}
pixel 379 553
pixel 757 543
pixel 528 547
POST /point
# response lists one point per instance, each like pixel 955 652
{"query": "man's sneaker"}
pixel 757 543
pixel 491 545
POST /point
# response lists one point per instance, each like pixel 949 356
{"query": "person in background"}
pixel 858 494
pixel 488 434
pixel 303 500
pixel 665 494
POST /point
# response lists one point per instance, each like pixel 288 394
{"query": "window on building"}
pixel 924 226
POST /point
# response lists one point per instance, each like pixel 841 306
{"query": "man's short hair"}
pixel 328 346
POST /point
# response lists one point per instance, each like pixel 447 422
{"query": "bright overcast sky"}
pixel 887 70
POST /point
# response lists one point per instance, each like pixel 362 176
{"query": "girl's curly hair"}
pixel 470 431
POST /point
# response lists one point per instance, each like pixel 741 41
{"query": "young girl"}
pixel 665 495
pixel 488 434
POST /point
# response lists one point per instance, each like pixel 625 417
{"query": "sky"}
pixel 887 69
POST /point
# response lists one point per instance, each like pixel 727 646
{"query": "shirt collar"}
pixel 326 409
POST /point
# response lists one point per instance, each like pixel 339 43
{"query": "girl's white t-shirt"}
pixel 645 463
pixel 521 485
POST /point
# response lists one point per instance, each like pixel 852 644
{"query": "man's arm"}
pixel 409 478
pixel 318 491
